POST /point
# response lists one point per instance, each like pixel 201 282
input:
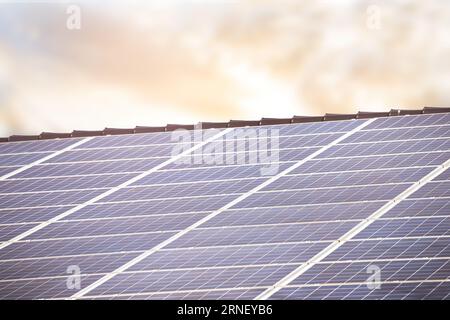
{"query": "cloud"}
pixel 151 63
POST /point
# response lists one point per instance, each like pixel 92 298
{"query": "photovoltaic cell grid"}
pixel 196 230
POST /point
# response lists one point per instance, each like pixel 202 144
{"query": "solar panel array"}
pixel 349 197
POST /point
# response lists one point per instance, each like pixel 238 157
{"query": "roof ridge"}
pixel 231 123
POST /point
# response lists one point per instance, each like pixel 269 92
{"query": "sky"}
pixel 88 65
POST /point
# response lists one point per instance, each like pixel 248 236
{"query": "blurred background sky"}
pixel 156 62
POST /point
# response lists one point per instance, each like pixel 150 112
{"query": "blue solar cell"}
pixel 184 190
pixel 396 291
pixel 433 226
pixel 30 214
pixel 36 146
pixel 272 140
pixel 54 267
pixel 391 249
pixel 433 189
pixel 88 245
pixel 315 127
pixel 5 170
pixel 206 174
pixel 131 140
pixel 160 281
pixel 418 208
pixel 113 154
pixel 61 184
pixel 323 195
pixel 153 207
pixel 230 159
pixel 400 270
pixel 225 294
pixel 242 159
pixel 51 288
pixel 229 256
pixel 399 134
pixel 443 176
pixel 86 228
pixel 263 234
pixel 348 179
pixel 55 198
pixel 294 154
pixel 10 231
pixel 90 168
pixel 310 213
pixel 306 141
pixel 21 159
pixel 373 162
pixel 411 121
pixel 371 148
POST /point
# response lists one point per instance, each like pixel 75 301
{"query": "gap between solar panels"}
pixel 110 191
pixel 352 232
pixel 50 156
pixel 163 244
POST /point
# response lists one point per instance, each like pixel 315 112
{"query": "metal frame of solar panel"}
pixel 349 196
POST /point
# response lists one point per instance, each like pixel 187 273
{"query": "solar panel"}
pixel 355 209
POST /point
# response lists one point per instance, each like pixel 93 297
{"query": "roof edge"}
pixel 229 124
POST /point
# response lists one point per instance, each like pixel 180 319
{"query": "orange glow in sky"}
pixel 158 62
